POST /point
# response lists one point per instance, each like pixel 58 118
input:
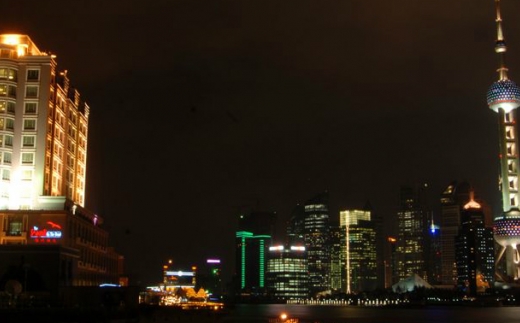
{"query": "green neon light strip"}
pixel 243 264
pixel 241 234
pixel 262 262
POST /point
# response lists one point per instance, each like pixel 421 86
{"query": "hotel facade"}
pixel 48 239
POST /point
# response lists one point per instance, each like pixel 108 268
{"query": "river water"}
pixel 355 314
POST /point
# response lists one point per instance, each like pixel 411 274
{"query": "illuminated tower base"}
pixel 507 235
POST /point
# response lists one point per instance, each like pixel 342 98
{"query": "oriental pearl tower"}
pixel 503 97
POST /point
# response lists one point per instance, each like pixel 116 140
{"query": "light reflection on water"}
pixel 355 314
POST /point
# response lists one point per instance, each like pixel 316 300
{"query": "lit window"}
pixel 7 90
pixel 27 175
pixel 27 158
pixel 31 91
pixel 8 74
pixel 8 141
pixel 6 174
pixel 9 124
pixel 30 107
pixel 7 158
pixel 12 75
pixel 11 107
pixel 29 124
pixel 15 225
pixel 28 141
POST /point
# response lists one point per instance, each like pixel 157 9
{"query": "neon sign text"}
pixel 44 233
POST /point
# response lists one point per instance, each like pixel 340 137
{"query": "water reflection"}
pixel 355 314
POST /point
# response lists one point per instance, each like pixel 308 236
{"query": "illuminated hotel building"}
pixel 44 227
pixel 253 238
pixel 503 97
pixel 360 250
pixel 287 272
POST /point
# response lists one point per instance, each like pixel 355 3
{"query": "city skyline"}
pixel 201 111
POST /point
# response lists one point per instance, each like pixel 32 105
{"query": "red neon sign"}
pixel 44 233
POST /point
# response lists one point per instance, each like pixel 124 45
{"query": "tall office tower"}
pixel 453 199
pixel 43 155
pixel 503 97
pixel 309 224
pixel 360 250
pixel 474 249
pixel 383 257
pixel 287 272
pixel 412 235
pixel 337 259
pixel 294 233
pixel 434 254
pixel 253 238
pixel 316 234
pixel 391 274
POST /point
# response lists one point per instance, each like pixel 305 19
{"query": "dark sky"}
pixel 204 109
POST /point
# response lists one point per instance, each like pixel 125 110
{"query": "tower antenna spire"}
pixel 500 44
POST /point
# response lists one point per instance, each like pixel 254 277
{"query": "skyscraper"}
pixel 360 250
pixel 310 224
pixel 474 250
pixel 287 272
pixel 316 233
pixel 412 235
pixel 253 239
pixel 453 199
pixel 503 97
pixel 337 258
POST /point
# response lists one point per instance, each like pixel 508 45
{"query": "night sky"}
pixel 201 110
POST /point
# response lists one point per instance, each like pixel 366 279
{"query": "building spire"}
pixel 504 93
pixel 500 44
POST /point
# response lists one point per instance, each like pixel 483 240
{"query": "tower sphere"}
pixel 503 94
pixel 507 232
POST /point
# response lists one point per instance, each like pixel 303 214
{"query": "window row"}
pixel 6 141
pixel 10 107
pixel 8 124
pixel 27 158
pixel 26 174
pixel 12 74
pixel 31 91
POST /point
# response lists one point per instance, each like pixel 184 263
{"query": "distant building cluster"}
pixel 351 254
pixel 461 247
